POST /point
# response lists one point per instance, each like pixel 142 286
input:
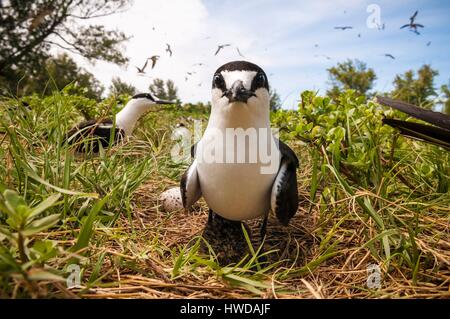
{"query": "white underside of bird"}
pixel 236 191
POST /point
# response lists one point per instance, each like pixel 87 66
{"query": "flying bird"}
pixel 168 49
pixel 244 190
pixel 388 55
pixel 322 55
pixel 412 25
pixel 142 70
pixel 220 47
pixel 428 43
pixel 437 133
pixel 102 131
pixel 154 58
pixel 239 52
pixel 344 27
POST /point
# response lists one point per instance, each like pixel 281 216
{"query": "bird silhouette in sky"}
pixel 154 58
pixel 239 52
pixel 413 25
pixel 388 55
pixel 142 70
pixel 168 49
pixel 323 55
pixel 344 27
pixel 220 47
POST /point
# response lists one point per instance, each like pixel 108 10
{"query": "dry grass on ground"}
pixel 148 245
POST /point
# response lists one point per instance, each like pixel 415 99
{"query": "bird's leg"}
pixel 226 238
pixel 263 229
pixel 262 232
pixel 210 217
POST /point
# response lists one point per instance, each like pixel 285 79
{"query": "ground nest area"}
pixel 373 217
pixel 155 255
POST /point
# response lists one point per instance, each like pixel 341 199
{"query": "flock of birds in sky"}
pixel 412 26
pixel 155 58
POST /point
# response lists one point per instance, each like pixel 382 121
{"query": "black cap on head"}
pixel 239 66
pixel 143 96
pixel 148 96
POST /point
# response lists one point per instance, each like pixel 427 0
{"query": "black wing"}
pixel 145 65
pixel 284 197
pixel 436 118
pixel 98 131
pixel 423 132
pixel 189 184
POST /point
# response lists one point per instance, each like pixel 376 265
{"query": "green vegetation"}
pixel 417 91
pixel 351 75
pixel 368 196
pixel 30 29
pixel 164 90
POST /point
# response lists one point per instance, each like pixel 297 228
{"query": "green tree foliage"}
pixel 351 75
pixel 164 90
pixel 416 90
pixel 445 91
pixel 59 72
pixel 275 100
pixel 29 29
pixel 119 87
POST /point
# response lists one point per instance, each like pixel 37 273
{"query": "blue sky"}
pixel 280 36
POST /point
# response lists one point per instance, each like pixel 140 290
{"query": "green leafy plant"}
pixel 23 222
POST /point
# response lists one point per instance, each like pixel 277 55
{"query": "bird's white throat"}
pixel 127 118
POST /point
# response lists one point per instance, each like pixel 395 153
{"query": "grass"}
pixel 387 205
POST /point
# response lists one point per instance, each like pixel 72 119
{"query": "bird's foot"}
pixel 226 238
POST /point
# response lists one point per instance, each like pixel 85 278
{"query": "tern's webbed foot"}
pixel 226 238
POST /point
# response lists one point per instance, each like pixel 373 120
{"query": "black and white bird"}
pixel 103 131
pixel 437 133
pixel 412 25
pixel 235 185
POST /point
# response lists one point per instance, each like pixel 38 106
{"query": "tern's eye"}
pixel 260 80
pixel 218 81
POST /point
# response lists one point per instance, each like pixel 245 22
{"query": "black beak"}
pixel 238 93
pixel 158 101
